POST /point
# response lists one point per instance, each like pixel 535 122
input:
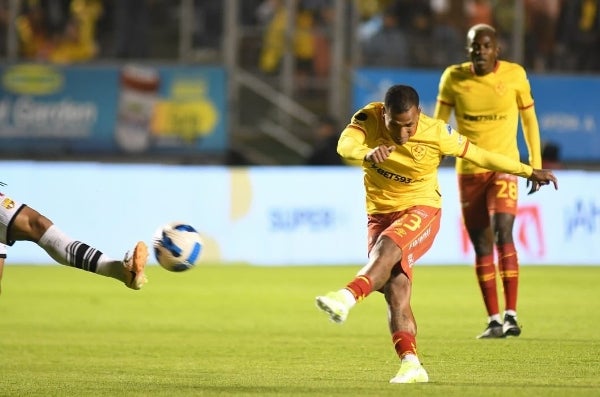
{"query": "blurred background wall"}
pixel 249 82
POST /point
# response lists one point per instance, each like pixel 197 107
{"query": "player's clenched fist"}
pixel 380 153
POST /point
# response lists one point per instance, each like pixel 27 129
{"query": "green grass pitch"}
pixel 255 331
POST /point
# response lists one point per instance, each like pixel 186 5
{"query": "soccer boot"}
pixel 510 326
pixel 493 330
pixel 333 305
pixel 134 264
pixel 410 372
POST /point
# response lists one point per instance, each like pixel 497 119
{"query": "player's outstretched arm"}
pixel 497 162
pixel 539 178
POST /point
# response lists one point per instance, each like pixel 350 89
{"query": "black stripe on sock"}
pixel 82 256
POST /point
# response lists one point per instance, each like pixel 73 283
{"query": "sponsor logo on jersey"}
pixel 485 117
pixel 391 175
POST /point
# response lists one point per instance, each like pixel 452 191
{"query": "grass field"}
pixel 254 331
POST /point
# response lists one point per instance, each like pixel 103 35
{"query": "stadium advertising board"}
pixel 566 106
pixel 277 216
pixel 112 109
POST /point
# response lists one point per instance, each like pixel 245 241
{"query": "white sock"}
pixel 55 243
pixel 69 252
pixel 511 313
pixel 494 317
pixel 349 299
pixel 411 358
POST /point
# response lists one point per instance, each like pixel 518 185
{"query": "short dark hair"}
pixel 400 98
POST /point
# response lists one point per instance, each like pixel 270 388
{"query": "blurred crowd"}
pixel 75 31
pixel 557 35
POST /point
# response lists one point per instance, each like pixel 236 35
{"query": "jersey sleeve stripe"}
pixel 465 149
pixel 526 107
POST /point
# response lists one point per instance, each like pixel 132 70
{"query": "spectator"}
pixel 33 32
pixel 578 35
pixel 504 19
pixel 324 20
pixel 551 156
pixel 415 18
pixel 304 49
pixel 541 19
pixel 47 32
pixel 446 35
pixel 325 151
pixel 132 19
pixel 4 23
pixel 378 49
pixel 77 43
pixel 479 11
pixel 208 29
pixel 273 15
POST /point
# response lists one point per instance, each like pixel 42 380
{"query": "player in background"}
pixel 401 150
pixel 18 222
pixel 487 96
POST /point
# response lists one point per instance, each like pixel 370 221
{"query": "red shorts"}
pixel 483 194
pixel 413 230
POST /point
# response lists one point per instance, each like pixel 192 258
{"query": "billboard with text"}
pixel 112 109
pixel 278 216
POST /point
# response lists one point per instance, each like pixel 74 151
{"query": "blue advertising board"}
pixel 568 107
pixel 112 109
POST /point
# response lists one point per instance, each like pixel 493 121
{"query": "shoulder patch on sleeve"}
pixel 361 116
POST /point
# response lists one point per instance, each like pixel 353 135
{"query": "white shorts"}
pixel 9 208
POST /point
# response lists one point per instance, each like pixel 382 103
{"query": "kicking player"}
pixel 401 150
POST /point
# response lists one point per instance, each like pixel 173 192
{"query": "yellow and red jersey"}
pixel 487 110
pixel 409 176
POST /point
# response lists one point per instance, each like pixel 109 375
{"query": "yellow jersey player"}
pixel 401 149
pixel 487 96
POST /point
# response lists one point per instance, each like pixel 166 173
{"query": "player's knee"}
pixel 39 225
pixel 503 235
pixel 30 225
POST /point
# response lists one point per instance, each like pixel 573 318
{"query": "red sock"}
pixel 404 343
pixel 360 287
pixel 508 264
pixel 486 276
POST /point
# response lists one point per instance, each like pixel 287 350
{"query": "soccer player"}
pixel 19 222
pixel 487 96
pixel 401 150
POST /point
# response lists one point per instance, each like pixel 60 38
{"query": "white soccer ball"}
pixel 177 246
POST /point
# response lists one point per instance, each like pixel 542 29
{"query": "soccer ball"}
pixel 177 246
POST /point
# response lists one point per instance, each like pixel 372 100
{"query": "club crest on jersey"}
pixel 8 203
pixel 500 88
pixel 418 152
